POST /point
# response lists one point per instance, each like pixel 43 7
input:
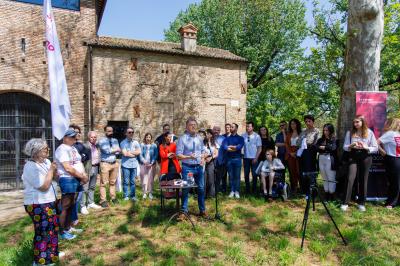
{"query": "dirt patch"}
pixel 11 206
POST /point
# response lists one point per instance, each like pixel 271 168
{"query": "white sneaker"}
pixel 126 198
pixel 361 208
pixel 75 230
pixel 84 210
pixel 150 196
pixel 134 199
pixel 232 194
pixel 237 195
pixel 94 206
pixel 61 254
pixel 144 196
pixel 344 207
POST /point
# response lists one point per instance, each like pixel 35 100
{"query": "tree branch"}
pixel 257 80
pixel 334 39
pixel 389 83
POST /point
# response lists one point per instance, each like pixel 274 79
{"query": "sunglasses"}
pixel 248 139
pixel 130 132
pixel 282 125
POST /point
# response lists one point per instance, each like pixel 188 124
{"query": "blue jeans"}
pixel 234 166
pixel 129 175
pixel 69 185
pixel 198 176
pixel 248 164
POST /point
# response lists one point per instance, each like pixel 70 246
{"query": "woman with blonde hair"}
pixel 148 159
pixel 360 142
pixel 390 141
pixel 267 170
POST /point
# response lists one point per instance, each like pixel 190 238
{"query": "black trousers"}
pixel 392 165
pixel 360 163
pixel 221 172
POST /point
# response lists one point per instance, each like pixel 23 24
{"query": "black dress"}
pixel 267 144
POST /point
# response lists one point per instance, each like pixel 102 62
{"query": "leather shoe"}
pixel 104 204
pixel 203 214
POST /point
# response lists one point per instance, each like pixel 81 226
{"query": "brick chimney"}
pixel 188 37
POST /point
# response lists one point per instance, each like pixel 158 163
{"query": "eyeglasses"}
pixel 130 132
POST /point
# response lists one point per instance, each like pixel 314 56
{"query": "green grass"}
pixel 256 233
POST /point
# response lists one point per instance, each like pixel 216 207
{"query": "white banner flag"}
pixel 59 99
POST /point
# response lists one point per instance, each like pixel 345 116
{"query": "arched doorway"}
pixel 22 116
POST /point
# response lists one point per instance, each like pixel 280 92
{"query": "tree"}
pixel 363 54
pixel 329 57
pixel 267 33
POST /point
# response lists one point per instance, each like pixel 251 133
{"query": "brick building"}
pixel 118 81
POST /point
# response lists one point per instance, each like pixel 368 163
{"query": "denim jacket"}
pixel 153 153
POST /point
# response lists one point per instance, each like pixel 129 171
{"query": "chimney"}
pixel 188 37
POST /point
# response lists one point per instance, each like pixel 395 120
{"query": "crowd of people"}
pixel 206 156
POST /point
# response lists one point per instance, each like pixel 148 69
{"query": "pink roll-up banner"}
pixel 372 105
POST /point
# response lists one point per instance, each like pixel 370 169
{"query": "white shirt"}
pixel 391 143
pixel 369 141
pixel 66 153
pixel 251 143
pixel 267 166
pixel 293 140
pixel 33 176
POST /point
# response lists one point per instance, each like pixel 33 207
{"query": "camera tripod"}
pixel 313 192
pixel 217 216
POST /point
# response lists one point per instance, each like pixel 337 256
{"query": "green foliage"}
pixel 23 253
pixel 269 35
pixel 326 61
pixel 283 82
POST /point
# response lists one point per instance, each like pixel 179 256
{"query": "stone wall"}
pixel 28 71
pixel 146 89
pixel 149 89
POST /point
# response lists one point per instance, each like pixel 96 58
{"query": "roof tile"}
pixel 163 47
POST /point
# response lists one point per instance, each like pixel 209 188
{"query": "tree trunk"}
pixel 363 54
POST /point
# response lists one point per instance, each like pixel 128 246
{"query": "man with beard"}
pixel 109 147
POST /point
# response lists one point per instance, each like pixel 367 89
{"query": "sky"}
pixel 147 19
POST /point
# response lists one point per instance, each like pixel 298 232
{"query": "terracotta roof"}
pixel 163 47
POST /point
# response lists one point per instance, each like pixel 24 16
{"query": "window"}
pixel 65 4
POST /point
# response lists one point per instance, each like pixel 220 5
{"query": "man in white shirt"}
pixel 251 151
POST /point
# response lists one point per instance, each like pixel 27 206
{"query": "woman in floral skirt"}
pixel 39 202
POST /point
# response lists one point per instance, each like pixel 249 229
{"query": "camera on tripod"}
pixel 312 177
